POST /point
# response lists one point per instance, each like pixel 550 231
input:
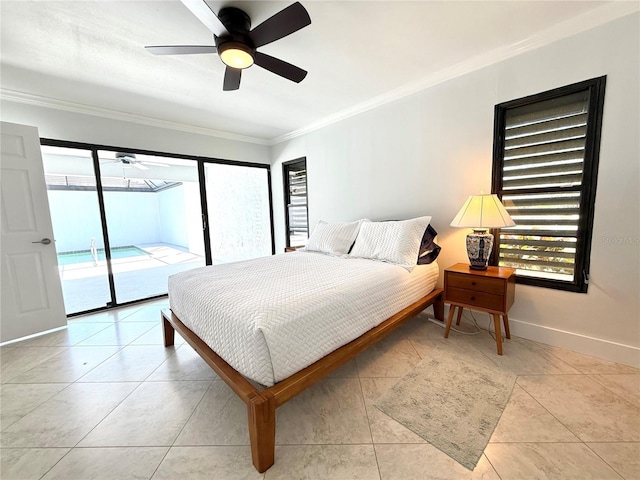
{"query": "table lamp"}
pixel 481 212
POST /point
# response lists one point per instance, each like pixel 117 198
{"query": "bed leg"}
pixel 168 330
pixel 438 308
pixel 262 430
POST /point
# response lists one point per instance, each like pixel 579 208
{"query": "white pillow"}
pixel 333 238
pixel 394 242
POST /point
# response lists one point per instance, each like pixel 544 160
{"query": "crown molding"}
pixel 588 20
pixel 567 28
pixel 42 101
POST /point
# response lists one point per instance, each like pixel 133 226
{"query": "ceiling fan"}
pixel 129 159
pixel 236 43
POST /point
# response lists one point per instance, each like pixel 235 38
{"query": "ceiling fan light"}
pixel 236 55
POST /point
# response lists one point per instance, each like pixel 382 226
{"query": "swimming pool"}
pixel 83 256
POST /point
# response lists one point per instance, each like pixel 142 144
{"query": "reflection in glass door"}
pixel 77 227
pixel 238 211
pixel 154 219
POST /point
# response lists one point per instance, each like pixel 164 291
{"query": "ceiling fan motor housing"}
pixel 238 25
pixel 235 20
pixel 126 158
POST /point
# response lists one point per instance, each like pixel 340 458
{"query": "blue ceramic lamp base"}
pixel 479 246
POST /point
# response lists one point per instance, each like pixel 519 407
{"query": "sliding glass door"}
pixel 124 221
pixel 239 212
pixel 153 217
pixel 77 227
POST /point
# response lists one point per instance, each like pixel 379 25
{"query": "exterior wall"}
pixel 133 218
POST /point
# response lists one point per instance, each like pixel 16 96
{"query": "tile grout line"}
pixel 550 413
pixel 580 441
pixel 65 347
pixel 603 460
pixel 37 406
pixel 110 411
pixel 591 375
pixel 211 383
pixel 366 412
pixel 489 462
pixel 120 348
pixel 181 429
pixel 52 466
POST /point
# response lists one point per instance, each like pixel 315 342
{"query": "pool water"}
pixel 83 256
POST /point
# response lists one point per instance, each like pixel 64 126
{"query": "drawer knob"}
pixel 473 299
pixel 473 283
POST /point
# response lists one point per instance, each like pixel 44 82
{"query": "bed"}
pixel 273 326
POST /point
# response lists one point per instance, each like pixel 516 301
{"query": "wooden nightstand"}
pixel 491 290
pixel 292 249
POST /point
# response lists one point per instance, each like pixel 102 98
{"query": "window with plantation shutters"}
pixel 295 196
pixel 545 170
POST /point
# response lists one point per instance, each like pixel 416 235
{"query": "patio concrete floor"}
pixel 85 285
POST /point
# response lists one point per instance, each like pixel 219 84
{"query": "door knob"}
pixel 44 241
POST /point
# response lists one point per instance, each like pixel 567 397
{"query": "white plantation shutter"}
pixel 545 165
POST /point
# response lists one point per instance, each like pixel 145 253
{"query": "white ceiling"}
pixel 89 56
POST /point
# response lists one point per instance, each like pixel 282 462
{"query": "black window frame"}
pixel 200 161
pixel 286 167
pixel 587 189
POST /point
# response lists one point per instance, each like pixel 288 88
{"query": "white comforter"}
pixel 270 317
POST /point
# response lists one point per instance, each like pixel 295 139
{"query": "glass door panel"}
pixel 154 221
pixel 77 227
pixel 238 212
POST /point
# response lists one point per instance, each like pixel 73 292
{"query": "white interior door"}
pixel 32 299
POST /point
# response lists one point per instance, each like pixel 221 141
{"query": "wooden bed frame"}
pixel 262 404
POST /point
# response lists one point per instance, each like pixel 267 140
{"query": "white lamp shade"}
pixel 482 211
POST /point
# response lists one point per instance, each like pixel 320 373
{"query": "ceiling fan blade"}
pixel 280 67
pixel 202 11
pixel 139 166
pixel 231 79
pixel 283 23
pixel 154 164
pixel 180 49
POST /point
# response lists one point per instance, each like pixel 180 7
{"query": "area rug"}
pixel 454 405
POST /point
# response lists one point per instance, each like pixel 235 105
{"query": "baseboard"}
pixel 592 346
pixel 33 335
pixel 595 347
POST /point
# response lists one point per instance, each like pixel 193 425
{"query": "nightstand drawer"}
pixel 476 283
pixel 491 290
pixel 474 298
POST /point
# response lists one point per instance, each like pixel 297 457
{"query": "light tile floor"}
pixel 104 399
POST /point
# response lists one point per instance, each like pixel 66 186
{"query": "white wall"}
pixel 133 218
pixel 171 215
pixel 76 219
pixel 238 212
pixel 425 153
pixel 193 217
pixel 77 127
